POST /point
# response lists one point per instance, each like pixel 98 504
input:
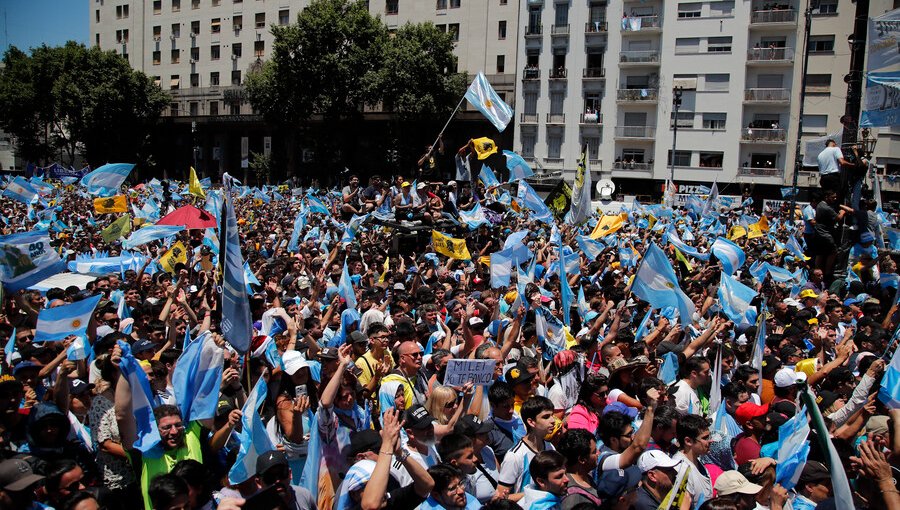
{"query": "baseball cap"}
pixel 420 185
pixel 328 353
pixel 866 237
pixel 142 345
pixel 619 407
pixel 16 475
pixel 814 471
pixel 7 381
pixel 405 184
pixel 269 460
pixel 733 482
pixel 808 293
pixel 79 386
pixel 26 364
pixel 357 337
pixel 787 377
pixel 399 286
pixel 825 399
pixel 475 321
pixel 748 410
pixel 293 361
pixel 417 418
pixel 656 459
pixel 518 375
pixel 470 425
pixel 366 440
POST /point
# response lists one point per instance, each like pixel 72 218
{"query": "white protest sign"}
pixel 461 371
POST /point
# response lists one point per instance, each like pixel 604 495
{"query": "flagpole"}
pixel 436 140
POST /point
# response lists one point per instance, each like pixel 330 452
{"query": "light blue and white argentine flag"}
pixel 27 258
pixel 518 167
pixel 236 324
pixel 345 288
pixel 483 97
pixel 141 400
pixel 474 218
pixel 889 392
pixel 253 439
pixel 20 190
pixel 55 324
pixel 735 298
pixel 793 449
pixel 501 269
pixel 591 248
pixel 107 178
pixel 656 283
pixel 729 254
pixel 530 199
pixel 687 249
pixel 197 378
pixel 150 233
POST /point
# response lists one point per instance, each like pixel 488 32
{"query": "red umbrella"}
pixel 190 217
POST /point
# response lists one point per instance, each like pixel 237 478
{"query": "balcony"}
pixel 640 24
pixel 533 30
pixel 639 58
pixel 558 74
pixel 593 73
pixel 553 161
pixel 770 56
pixel 637 95
pixel 636 132
pixel 596 27
pixel 559 30
pixel 556 119
pixel 782 17
pixel 748 171
pixel 590 119
pixel 631 166
pixel 531 73
pixel 767 96
pixel 753 135
pixel 528 118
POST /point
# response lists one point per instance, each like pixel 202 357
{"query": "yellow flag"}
pixel 484 147
pixel 386 267
pixel 450 247
pixel 486 260
pixel 608 225
pixel 651 221
pixel 194 187
pixel 117 229
pixel 754 231
pixel 763 223
pixel 177 253
pixel 737 232
pixel 681 258
pixel 110 204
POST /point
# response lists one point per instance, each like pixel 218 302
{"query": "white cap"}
pixel 655 459
pixel 787 377
pixel 475 321
pixel 731 482
pixel 293 361
pixel 104 330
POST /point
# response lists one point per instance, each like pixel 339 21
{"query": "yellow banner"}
pixel 608 225
pixel 117 229
pixel 450 247
pixel 194 187
pixel 681 258
pixel 737 232
pixel 176 254
pixel 114 204
pixel 754 231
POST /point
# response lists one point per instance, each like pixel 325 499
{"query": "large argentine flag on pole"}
pixel 197 378
pixel 656 283
pixel 150 233
pixel 483 97
pixel 107 178
pixel 55 324
pixel 141 400
pixel 21 190
pixel 235 304
pixel 729 254
pixel 253 439
pixel 735 298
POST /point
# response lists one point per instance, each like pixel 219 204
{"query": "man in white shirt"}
pixel 830 161
pixel 695 374
pixel 694 437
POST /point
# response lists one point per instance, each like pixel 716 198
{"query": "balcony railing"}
pixel 556 118
pixel 596 27
pixel 553 161
pixel 531 73
pixel 629 165
pixel 764 135
pixel 594 72
pixel 773 16
pixel 636 131
pixel 528 118
pixel 639 23
pixel 767 95
pixel 639 57
pixel 637 94
pixel 748 171
pixel 533 30
pixel 559 30
pixel 591 119
pixel 770 55
pixel 558 74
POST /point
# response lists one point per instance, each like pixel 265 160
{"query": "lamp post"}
pixel 676 105
pixel 798 156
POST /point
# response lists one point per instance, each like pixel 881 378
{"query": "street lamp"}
pixel 676 104
pixel 868 142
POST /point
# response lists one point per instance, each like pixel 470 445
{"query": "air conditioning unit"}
pixel 234 57
pixel 156 38
pixel 193 61
pixel 193 35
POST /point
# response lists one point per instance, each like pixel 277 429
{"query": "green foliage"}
pixel 68 100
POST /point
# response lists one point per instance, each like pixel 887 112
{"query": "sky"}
pixel 30 23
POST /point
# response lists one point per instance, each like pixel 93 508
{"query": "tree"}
pixel 63 101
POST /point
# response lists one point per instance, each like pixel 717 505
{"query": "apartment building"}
pixel 604 74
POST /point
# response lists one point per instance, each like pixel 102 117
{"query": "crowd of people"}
pixel 598 398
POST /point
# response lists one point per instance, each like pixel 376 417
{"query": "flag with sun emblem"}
pixel 656 283
pixel 483 97
pixel 57 323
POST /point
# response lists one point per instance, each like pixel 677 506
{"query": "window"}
pixel 194 108
pixel 214 52
pixel 236 50
pixel 454 4
pixel 714 121
pixel 816 123
pixel 391 7
pixel 824 7
pixel 195 27
pixel 97 40
pixel 215 3
pixel 685 81
pixel 195 4
pixel 157 80
pixel 195 54
pixel 284 17
pixel 718 45
pixel 818 83
pixel 689 10
pixel 195 80
pixel 213 107
pixel 157 32
pixel 176 30
pixel 121 36
pixel 528 145
pixel 121 12
pixel 176 56
pixel 259 49
pixel 633 155
pixel 557 102
pixel 501 30
pixel 215 25
pixel 501 64
pixel 237 23
pixel 441 27
pixel 502 2
pixel 453 28
pixel 173 108
pixel 97 16
pixel 685 119
pixel 176 5
pixel 721 9
pixel 235 77
pixel 125 11
pixel 440 5
pixel 687 45
pixel 214 79
pixel 174 81
pixel 711 159
pixel 260 20
pixel 561 15
pixel 821 44
pixel 715 82
pixel 157 56
pixel 682 158
pixel 554 146
pixel 157 6
pixel 531 103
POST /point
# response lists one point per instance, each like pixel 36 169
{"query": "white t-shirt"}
pixel 514 471
pixel 399 472
pixel 829 160
pixel 699 484
pixel 686 399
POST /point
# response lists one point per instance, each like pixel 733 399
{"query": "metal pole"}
pixel 798 157
pixel 854 78
pixel 676 103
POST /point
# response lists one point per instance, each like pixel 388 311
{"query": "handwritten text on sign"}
pixel 461 371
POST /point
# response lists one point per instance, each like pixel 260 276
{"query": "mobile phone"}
pixel 300 390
